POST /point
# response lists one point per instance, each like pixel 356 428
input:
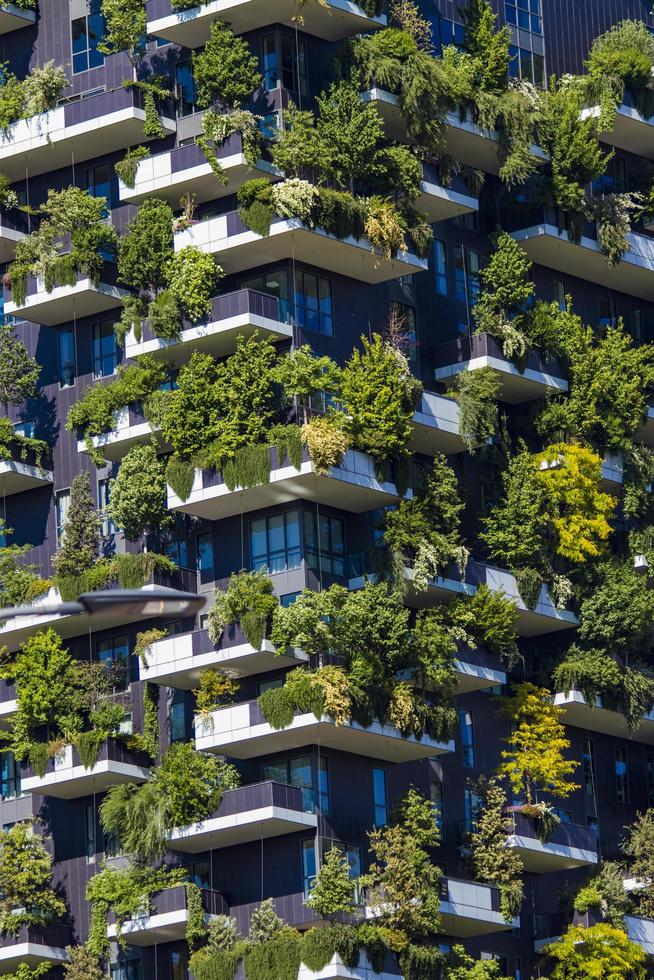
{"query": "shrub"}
pixel 215 689
pixel 138 494
pixel 127 167
pixel 225 71
pixel 147 247
pixel 80 543
pixel 250 600
pixel 26 881
pixel 477 393
pixel 327 442
pixel 294 198
pixel 193 278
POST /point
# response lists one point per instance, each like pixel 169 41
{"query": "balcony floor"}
pixel 240 828
pixel 30 953
pixel 475 677
pixel 437 203
pixel 150 930
pixel 545 858
pixel 63 302
pixel 631 131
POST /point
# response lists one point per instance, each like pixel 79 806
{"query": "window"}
pixel 323 784
pixel 525 14
pixel 450 32
pixel 380 800
pixel 177 718
pixel 130 970
pixel 62 503
pixel 89 832
pixel 500 960
pixel 559 293
pixel 185 88
pixel 308 866
pixel 313 303
pixel 588 766
pixel 66 358
pixel 607 311
pixel 297 771
pixel 405 319
pixel 636 323
pixel 104 349
pixel 621 775
pixel 114 654
pixel 9 776
pixel 324 546
pixel 87 32
pixel 269 61
pixel 199 874
pixel 179 965
pixel 351 851
pixel 287 600
pixel 466 265
pixel 98 183
pixel 177 550
pixel 436 797
pixel 107 528
pixel 275 542
pixel 527 65
pixel 26 428
pixel 467 738
pixel 472 802
pixel 275 284
pixel 294 64
pixel 440 266
pixel 205 557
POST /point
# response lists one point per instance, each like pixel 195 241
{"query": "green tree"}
pixel 488 46
pixel 302 374
pixel 138 494
pixel 350 133
pixel 617 615
pixel 639 846
pixel 19 372
pixel 506 287
pixel 514 530
pixel 19 580
pixel 331 891
pixel 491 859
pixel 125 27
pixel 299 147
pixel 460 966
pixel 225 71
pixel 26 891
pixel 265 924
pixel 146 249
pixel 80 542
pixel 601 952
pixel 82 965
pixel 193 278
pixel 534 760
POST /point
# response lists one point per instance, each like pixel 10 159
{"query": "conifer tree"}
pixel 80 546
pixel 331 892
pixel 265 923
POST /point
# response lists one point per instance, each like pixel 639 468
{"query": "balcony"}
pixel 612 472
pixel 436 425
pixel 130 429
pixel 646 432
pixel 184 170
pixel 12 18
pixel 63 303
pixel 598 718
pixel 34 945
pixel 250 813
pixel 232 314
pixel 546 245
pixel 475 669
pixel 78 130
pixel 542 373
pixel 237 249
pixel 352 486
pixel 438 203
pixel 336 970
pixel 67 779
pixel 470 909
pixel 331 21
pixel 18 474
pixel 631 131
pixel 569 846
pixel 13 229
pixel 178 661
pixel 167 922
pixel 240 731
pixel 8 703
pixel 464 140
pixel 641 931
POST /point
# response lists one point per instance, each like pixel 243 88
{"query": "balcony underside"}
pixel 437 203
pixel 641 931
pixel 631 131
pixel 545 858
pixel 634 275
pixel 595 718
pixel 436 426
pixel 12 18
pixel 465 921
pixel 150 930
pixel 47 150
pixel 333 21
pixel 217 338
pixel 291 240
pixel 646 432
pixel 475 677
pixel 116 444
pixel 183 671
pixel 240 828
pixel 9 238
pixel 73 783
pixel 377 742
pixel 63 303
pixel 200 181
pixel 15 477
pixel 31 954
pixel 516 386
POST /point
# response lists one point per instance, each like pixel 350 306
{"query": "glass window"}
pixel 588 765
pixel 466 264
pixel 62 503
pixel 607 311
pixel 9 776
pixel 294 64
pixel 178 551
pixel 275 542
pixel 436 797
pixel 313 303
pixel 104 349
pixel 269 56
pixel 323 784
pixel 179 965
pixel 403 317
pixel 525 14
pixel 636 323
pixel 559 293
pixel 298 771
pixel 275 284
pixel 107 527
pixel 325 546
pixel 621 775
pixel 467 738
pixel 380 801
pixel 177 720
pixel 87 32
pixel 308 865
pixel 199 873
pixel 473 803
pixel 288 599
pixel 129 970
pixel 89 830
pixel 98 183
pixel 185 88
pixel 205 557
pixel 66 357
pixel 440 265
pixel 114 654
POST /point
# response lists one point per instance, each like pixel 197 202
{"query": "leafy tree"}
pixel 250 600
pixel 514 529
pixel 302 374
pixel 380 395
pixel 146 249
pixel 639 846
pixel 534 760
pixel 80 543
pixel 606 890
pixel 265 924
pixel 26 891
pixel 461 966
pixel 487 618
pixel 350 132
pixel 331 891
pixel 506 292
pixel 125 27
pixel 600 952
pixel 299 147
pixel 618 613
pixel 19 580
pixel 477 393
pixel 193 278
pixel 225 71
pixel 491 859
pixel 488 46
pixel 19 372
pixel 622 58
pixel 138 494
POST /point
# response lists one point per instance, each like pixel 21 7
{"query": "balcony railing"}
pixel 568 846
pixel 167 921
pixel 34 945
pixel 67 778
pixel 469 908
